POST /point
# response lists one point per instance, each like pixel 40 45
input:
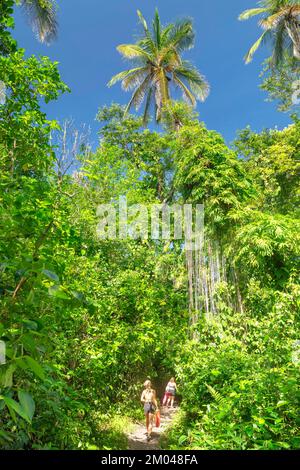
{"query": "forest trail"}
pixel 137 439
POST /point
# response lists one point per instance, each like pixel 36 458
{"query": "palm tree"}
pixel 42 17
pixel 158 64
pixel 281 24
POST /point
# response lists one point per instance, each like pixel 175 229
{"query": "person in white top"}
pixel 171 389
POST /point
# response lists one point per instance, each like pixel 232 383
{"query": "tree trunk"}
pixel 189 259
pixel 212 278
pixel 238 292
pixel 293 29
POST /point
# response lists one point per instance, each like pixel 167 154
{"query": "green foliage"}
pixel 208 171
pixel 282 85
pixel 273 160
pixel 7 43
pixel 240 386
pixel 86 320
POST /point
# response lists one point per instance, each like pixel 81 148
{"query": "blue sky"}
pixel 90 30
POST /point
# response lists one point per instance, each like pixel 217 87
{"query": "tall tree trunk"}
pixel 293 29
pixel 238 292
pixel 189 260
pixel 206 291
pixel 212 278
pixel 218 264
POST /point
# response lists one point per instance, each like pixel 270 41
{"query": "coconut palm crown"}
pixel 158 65
pixel 281 24
pixel 42 17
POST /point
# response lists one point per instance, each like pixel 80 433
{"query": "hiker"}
pixel 150 406
pixel 170 393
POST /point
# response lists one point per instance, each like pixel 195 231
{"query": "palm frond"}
pixel 135 79
pixel 42 16
pixel 249 56
pixel 200 89
pixel 147 44
pixel 132 51
pixel 170 56
pixel 187 94
pixel 252 12
pixel 281 44
pixel 195 79
pixel 156 29
pixel 272 21
pixel 277 16
pixel 139 94
pixel 143 21
pixel 182 35
pixel 165 34
pixel 123 75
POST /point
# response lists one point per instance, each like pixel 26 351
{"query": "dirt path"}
pixel 137 439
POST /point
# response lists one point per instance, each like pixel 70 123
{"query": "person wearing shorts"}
pixel 148 398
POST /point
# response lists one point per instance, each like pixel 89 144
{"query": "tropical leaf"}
pixel 58 292
pixel 157 29
pixel 42 17
pixel 279 18
pixel 253 49
pixel 6 375
pixel 139 94
pixel 216 395
pixel 132 51
pixel 27 404
pixel 182 35
pixel 51 275
pixel 119 77
pixel 15 407
pixel 143 21
pixel 186 92
pixel 27 362
pixel 251 12
pixel 136 79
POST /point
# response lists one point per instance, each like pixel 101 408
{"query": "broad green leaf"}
pixel 56 291
pixel 51 275
pixel 77 295
pixel 27 403
pixel 16 407
pixel 35 367
pixel 6 375
pixel 6 436
pixel 30 324
pixel 182 440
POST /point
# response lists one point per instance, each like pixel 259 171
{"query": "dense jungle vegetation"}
pixel 85 320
